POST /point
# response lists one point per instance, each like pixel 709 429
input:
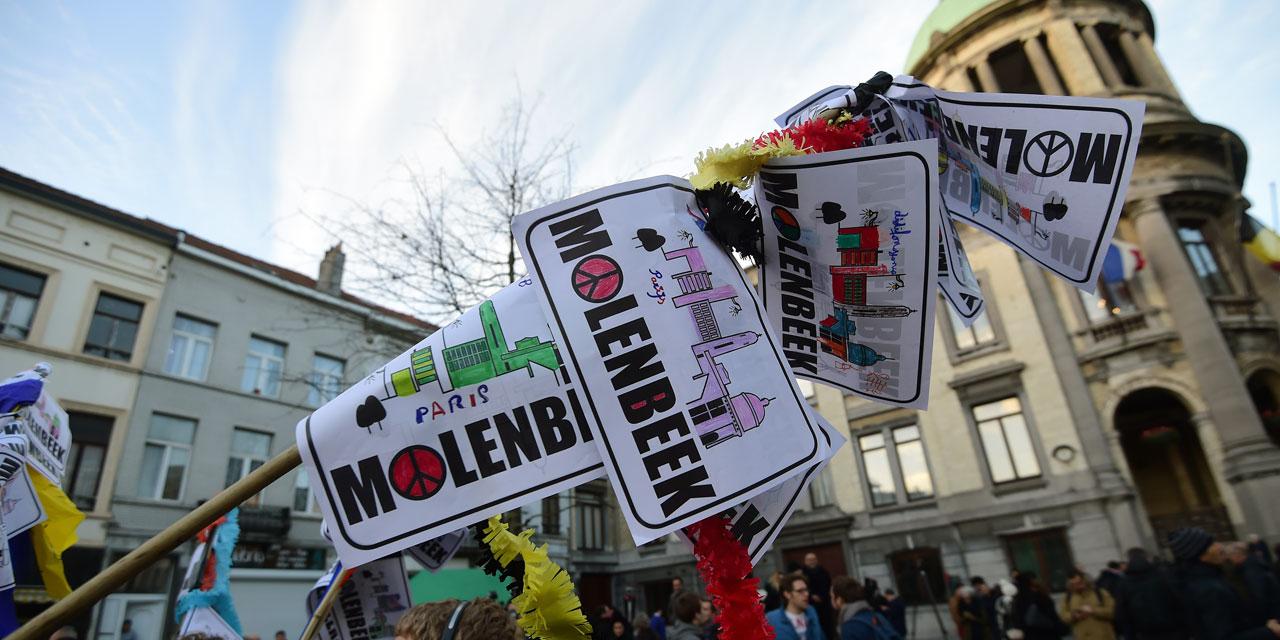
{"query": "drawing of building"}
pixel 474 361
pixel 859 249
pixel 716 416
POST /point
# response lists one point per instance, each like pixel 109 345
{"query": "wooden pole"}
pixel 116 575
pixel 322 611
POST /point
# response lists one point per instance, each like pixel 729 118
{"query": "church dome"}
pixel 943 18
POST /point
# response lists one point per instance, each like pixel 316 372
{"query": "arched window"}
pixel 1264 390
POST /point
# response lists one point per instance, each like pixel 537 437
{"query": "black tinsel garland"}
pixel 732 221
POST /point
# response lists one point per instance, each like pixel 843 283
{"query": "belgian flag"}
pixel 1262 242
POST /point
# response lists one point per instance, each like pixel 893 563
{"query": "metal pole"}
pixel 115 576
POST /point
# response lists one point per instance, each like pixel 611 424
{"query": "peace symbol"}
pixel 417 472
pixel 1049 149
pixel 597 278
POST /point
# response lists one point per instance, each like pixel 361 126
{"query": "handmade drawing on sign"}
pixel 851 289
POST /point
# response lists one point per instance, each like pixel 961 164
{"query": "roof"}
pixel 943 18
pixel 171 235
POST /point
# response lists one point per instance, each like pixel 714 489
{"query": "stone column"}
pixel 1042 67
pixel 1250 462
pixel 1137 61
pixel 1101 57
pixel 986 76
pixel 1069 51
pixel 1148 49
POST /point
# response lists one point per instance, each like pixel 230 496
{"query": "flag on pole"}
pixel 1122 261
pixel 1262 242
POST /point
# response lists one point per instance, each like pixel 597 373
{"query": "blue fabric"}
pixel 1113 265
pixel 868 625
pixel 8 615
pixel 659 626
pixel 219 597
pixel 782 625
pixel 20 391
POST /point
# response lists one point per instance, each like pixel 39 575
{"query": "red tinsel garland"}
pixel 819 136
pixel 725 567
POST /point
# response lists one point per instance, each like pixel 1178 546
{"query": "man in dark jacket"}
pixel 819 591
pixel 1147 602
pixel 1111 577
pixel 1260 586
pixel 1217 612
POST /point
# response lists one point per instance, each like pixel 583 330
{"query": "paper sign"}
pixel 479 418
pixel 7 580
pixel 956 281
pixel 20 507
pixel 48 434
pixel 758 521
pixel 433 554
pixel 206 621
pixel 370 603
pixel 195 568
pixel 850 265
pixel 1045 174
pixel 677 360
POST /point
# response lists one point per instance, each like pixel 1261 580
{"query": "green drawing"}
pixel 477 360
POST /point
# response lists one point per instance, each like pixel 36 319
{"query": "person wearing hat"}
pixel 1214 609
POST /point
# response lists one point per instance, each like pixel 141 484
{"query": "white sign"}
pixel 370 603
pixel 433 554
pixel 678 363
pixel 956 280
pixel 758 521
pixel 1045 174
pixel 479 418
pixel 204 620
pixel 48 433
pixel 850 266
pixel 20 508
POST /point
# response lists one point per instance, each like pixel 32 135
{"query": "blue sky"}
pixel 229 118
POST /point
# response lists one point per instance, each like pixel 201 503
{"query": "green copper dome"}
pixel 944 18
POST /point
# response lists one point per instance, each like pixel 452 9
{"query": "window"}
pixel 978 334
pixel 591 529
pixel 1203 261
pixel 114 328
pixel 249 450
pixel 1044 552
pixel 1006 441
pixel 1108 300
pixel 1013 70
pixel 551 515
pixel 165 458
pixel 514 518
pixel 303 500
pixel 326 379
pixel 806 388
pixel 19 292
pixel 895 465
pixel 189 348
pixel 263 367
pixel 820 489
pixel 90 435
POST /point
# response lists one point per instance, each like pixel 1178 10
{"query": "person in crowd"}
pixel 1004 605
pixel 1253 579
pixel 956 605
pixel 607 616
pixel 252 636
pixel 1088 609
pixel 642 628
pixel 773 591
pixel 856 618
pixel 795 619
pixel 1216 611
pixel 1111 577
pixel 819 591
pixel 1259 548
pixel 896 611
pixel 618 631
pixel 127 632
pixel 658 622
pixel 280 635
pixel 687 617
pixel 984 600
pixel 677 588
pixel 477 619
pixel 1147 602
pixel 1033 615
pixel 710 626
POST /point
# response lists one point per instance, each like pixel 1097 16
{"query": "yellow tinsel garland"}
pixel 736 164
pixel 549 609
